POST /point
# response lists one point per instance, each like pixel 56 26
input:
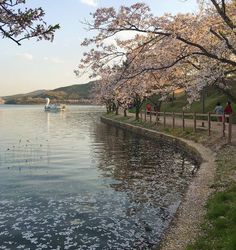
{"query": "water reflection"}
pixel 135 161
pixel 69 182
pixel 154 176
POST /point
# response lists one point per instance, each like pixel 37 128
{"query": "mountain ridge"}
pixel 76 93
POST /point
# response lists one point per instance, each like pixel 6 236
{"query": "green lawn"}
pixel 212 96
pixel 219 229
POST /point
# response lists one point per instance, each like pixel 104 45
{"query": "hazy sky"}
pixel 45 65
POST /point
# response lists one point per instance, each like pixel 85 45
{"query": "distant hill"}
pixel 78 90
pixel 33 93
pixel 78 93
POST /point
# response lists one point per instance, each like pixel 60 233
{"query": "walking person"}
pixel 219 110
pixel 228 110
pixel 148 108
pixel 156 110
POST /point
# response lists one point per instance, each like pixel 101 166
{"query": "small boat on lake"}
pixel 53 107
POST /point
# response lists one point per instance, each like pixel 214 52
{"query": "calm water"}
pixel 68 181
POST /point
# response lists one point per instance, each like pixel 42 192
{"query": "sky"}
pixel 45 65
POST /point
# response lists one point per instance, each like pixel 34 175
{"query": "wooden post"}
pixel 145 116
pixel 230 129
pixel 209 123
pixel 183 124
pixel 150 116
pixel 141 115
pixel 156 117
pixel 194 122
pixel 173 117
pixel 223 125
pixel 164 121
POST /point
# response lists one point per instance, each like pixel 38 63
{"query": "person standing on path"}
pixel 148 108
pixel 219 111
pixel 228 110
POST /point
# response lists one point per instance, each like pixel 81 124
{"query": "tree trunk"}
pixel 138 104
pixel 203 100
pixel 113 106
pixel 137 114
pixel 117 110
pixel 159 106
pixel 108 107
pixel 125 112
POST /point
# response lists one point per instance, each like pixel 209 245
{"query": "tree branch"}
pixel 222 12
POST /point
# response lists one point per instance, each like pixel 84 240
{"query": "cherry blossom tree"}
pixel 18 23
pixel 190 50
pixel 133 91
pixel 138 18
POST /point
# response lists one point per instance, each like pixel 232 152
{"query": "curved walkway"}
pixel 186 224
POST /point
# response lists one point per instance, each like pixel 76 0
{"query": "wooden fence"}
pixel 192 119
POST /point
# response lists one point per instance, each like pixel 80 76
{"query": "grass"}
pixel 188 133
pixel 219 229
pixel 212 96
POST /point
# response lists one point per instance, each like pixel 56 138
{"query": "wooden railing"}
pixel 193 119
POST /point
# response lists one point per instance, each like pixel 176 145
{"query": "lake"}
pixel 68 181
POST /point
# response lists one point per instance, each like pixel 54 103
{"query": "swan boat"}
pixel 53 107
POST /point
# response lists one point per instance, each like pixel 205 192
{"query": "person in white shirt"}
pixel 219 110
